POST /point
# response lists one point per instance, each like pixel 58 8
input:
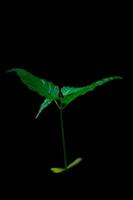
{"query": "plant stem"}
pixel 63 137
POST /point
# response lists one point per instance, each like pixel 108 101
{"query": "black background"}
pixel 76 54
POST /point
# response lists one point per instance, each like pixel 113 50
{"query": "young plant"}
pixel 62 97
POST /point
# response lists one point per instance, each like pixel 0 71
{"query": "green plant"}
pixel 62 98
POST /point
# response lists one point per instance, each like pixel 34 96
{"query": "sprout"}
pixel 62 97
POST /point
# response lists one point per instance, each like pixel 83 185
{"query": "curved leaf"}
pixel 57 170
pixel 43 106
pixel 42 86
pixel 69 90
pixel 73 164
pixel 71 93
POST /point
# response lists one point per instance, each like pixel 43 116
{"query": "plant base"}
pixel 73 164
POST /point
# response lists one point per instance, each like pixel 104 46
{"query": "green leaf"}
pixel 43 106
pixel 69 90
pixel 57 170
pixel 42 86
pixel 71 93
pixel 73 164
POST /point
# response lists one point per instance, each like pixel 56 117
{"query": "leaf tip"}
pixel 119 77
pixel 12 70
pixel 9 70
pixel 36 116
pixel 57 170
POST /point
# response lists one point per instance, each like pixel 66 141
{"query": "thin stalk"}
pixel 63 137
pixel 57 104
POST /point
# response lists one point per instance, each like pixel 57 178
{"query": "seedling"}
pixel 62 97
